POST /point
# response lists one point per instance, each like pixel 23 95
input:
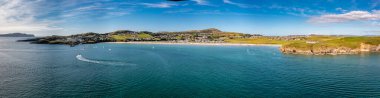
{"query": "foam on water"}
pixel 81 58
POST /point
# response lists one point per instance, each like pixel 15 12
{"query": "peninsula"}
pixel 16 35
pixel 292 44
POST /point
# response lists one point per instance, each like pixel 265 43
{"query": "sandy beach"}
pixel 203 44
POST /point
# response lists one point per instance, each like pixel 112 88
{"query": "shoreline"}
pixel 200 44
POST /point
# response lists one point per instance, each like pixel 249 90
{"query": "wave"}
pixel 81 58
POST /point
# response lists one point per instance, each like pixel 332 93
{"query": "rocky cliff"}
pixel 331 50
pixel 369 48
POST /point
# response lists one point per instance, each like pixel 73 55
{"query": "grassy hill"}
pixel 262 40
pixel 349 42
pixel 318 41
pixel 131 37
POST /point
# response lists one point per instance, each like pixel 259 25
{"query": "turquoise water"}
pixel 131 70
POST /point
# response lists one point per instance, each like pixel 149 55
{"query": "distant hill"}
pixel 211 35
pixel 16 35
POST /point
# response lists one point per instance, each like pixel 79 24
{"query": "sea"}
pixel 175 71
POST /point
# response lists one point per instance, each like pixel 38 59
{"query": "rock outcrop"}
pixel 331 51
pixel 369 48
pixel 320 51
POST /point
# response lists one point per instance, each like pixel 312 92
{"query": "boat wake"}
pixel 249 52
pixel 81 58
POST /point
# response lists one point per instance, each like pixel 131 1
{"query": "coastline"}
pixel 199 44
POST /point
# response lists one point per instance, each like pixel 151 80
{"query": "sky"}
pixel 267 17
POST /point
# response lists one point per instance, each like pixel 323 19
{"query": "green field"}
pixel 259 41
pixel 321 42
pixel 130 36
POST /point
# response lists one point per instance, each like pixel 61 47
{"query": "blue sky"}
pixel 268 17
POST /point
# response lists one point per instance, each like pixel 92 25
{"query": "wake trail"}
pixel 81 58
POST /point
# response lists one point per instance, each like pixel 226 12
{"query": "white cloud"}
pixel 96 10
pixel 20 16
pixel 347 17
pixel 297 11
pixel 375 4
pixel 118 13
pixel 234 3
pixel 372 31
pixel 201 2
pixel 159 5
pixel 341 10
pixel 375 23
pixel 180 11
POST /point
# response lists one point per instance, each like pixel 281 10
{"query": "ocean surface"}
pixel 133 70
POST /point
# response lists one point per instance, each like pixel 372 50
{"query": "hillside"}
pixel 334 45
pixel 317 44
pixel 294 44
pixel 211 35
